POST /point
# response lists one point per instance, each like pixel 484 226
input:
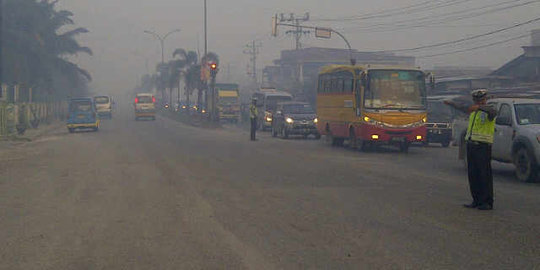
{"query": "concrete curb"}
pixel 33 134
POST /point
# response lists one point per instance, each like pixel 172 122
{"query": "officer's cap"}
pixel 479 94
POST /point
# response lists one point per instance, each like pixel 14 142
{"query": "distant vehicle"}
pixel 439 122
pixel 295 118
pixel 517 136
pixel 82 115
pixel 145 106
pixel 103 106
pixel 371 105
pixel 267 102
pixel 228 102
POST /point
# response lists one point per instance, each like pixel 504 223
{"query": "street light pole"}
pixel 162 41
pixel 162 44
pixel 205 30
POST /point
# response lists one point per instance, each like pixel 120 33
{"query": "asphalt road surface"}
pixel 163 195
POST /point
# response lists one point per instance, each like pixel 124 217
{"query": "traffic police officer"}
pixel 253 114
pixel 479 138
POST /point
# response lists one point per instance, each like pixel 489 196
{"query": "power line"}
pixel 465 39
pixel 475 48
pixel 401 11
pixel 442 18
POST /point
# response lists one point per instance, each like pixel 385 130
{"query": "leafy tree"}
pixel 35 48
pixel 185 60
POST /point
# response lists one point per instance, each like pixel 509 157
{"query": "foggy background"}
pixel 122 52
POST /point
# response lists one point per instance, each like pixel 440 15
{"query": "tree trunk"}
pixel 187 96
pixel 199 97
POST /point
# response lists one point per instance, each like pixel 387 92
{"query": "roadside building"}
pixel 526 67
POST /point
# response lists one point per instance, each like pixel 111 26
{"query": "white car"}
pixel 145 106
pixel 103 106
pixel 517 135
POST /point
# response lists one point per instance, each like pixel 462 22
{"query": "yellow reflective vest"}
pixel 253 112
pixel 480 129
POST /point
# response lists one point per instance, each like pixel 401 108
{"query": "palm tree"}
pixel 187 60
pixel 35 49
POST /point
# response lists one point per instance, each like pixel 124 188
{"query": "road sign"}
pixel 323 32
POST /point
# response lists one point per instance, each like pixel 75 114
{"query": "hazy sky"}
pixel 121 49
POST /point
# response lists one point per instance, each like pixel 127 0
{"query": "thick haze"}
pixel 122 52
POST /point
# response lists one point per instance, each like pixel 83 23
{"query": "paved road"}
pixel 162 195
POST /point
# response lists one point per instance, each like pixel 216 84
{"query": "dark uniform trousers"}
pixel 253 127
pixel 479 170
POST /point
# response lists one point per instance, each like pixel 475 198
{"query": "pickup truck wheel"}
pixel 526 167
pixel 71 130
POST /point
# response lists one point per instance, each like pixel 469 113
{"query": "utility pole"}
pixel 204 65
pixel 252 49
pixel 298 32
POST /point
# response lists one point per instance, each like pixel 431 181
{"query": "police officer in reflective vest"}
pixel 479 138
pixel 253 114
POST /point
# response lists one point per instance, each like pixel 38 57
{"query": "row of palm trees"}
pixel 36 48
pixel 185 66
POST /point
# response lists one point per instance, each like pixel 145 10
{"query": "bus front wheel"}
pixel 353 141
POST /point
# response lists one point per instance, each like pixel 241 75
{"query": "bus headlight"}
pixel 372 122
pixel 316 120
pixel 289 120
pixel 268 119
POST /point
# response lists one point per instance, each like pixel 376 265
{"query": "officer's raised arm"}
pixel 490 110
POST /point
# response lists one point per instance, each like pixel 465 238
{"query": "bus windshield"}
pixel 395 89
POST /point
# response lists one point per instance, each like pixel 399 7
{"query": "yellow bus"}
pixel 369 105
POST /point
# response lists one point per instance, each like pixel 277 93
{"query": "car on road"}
pixel 295 118
pixel 82 115
pixel 103 106
pixel 145 106
pixel 517 135
pixel 439 122
pixel 267 101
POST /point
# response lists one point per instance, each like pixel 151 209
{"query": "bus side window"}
pixel 340 86
pixel 348 85
pixel 326 84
